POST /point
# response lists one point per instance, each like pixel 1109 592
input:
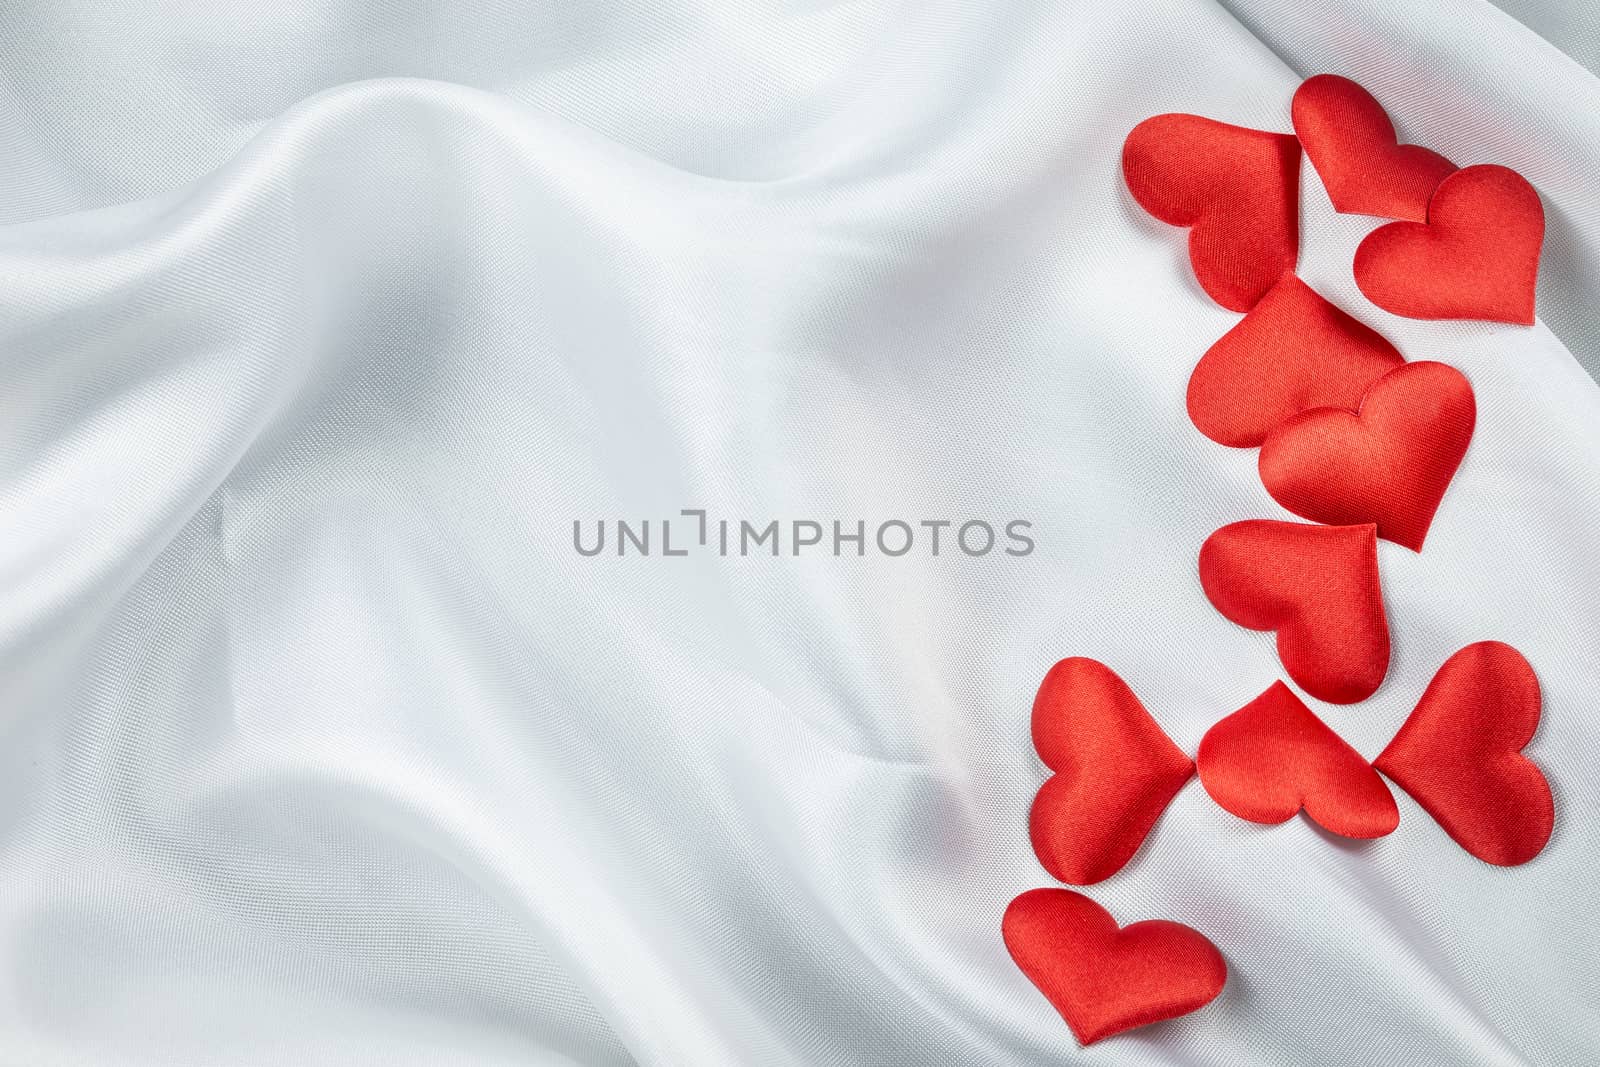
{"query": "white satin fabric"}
pixel 322 320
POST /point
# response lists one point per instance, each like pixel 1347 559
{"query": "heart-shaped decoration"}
pixel 1477 256
pixel 1460 755
pixel 1388 463
pixel 1237 188
pixel 1104 980
pixel 1294 350
pixel 1273 757
pixel 1317 586
pixel 1115 772
pixel 1352 144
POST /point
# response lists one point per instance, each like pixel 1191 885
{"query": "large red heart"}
pixel 1460 755
pixel 1318 587
pixel 1273 757
pixel 1104 980
pixel 1477 256
pixel 1352 144
pixel 1389 464
pixel 1116 772
pixel 1239 190
pixel 1292 351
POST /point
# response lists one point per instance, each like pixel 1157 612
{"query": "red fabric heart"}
pixel 1238 188
pixel 1292 351
pixel 1477 256
pixel 1104 980
pixel 1389 464
pixel 1352 144
pixel 1273 757
pixel 1116 772
pixel 1460 755
pixel 1318 587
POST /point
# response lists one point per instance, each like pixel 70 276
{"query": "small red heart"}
pixel 1477 256
pixel 1104 980
pixel 1292 351
pixel 1352 144
pixel 1460 755
pixel 1116 772
pixel 1238 188
pixel 1318 587
pixel 1389 464
pixel 1273 757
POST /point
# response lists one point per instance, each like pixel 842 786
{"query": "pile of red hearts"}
pixel 1352 437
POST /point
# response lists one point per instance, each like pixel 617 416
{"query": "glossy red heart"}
pixel 1389 464
pixel 1317 586
pixel 1352 144
pixel 1294 350
pixel 1460 755
pixel 1477 256
pixel 1273 757
pixel 1104 980
pixel 1116 772
pixel 1237 188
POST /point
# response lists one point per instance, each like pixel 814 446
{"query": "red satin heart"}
pixel 1318 587
pixel 1104 980
pixel 1239 190
pixel 1477 256
pixel 1389 464
pixel 1292 351
pixel 1460 755
pixel 1352 143
pixel 1273 757
pixel 1116 772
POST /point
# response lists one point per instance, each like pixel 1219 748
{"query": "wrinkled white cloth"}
pixel 321 321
